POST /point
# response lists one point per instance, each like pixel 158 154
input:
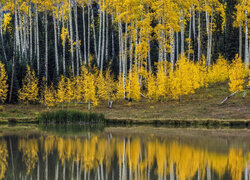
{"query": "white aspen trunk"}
pixel 172 44
pixel 124 162
pixel 20 31
pixel 208 36
pixel 208 172
pixel 94 32
pixel 46 46
pixel 246 172
pixel 149 56
pixel 199 35
pixel 72 171
pixel 25 37
pixel 160 58
pixel 164 49
pixel 182 33
pixel 131 51
pixel 57 170
pixel 46 167
pixel 103 38
pixel 125 50
pixel 31 35
pixel 189 34
pixel 58 24
pixel 120 50
pixel 246 42
pixel 71 38
pixel 37 43
pixel 240 41
pixel 194 33
pixel 84 34
pixel 38 173
pixel 211 38
pixel 107 37
pixel 89 31
pixel 99 38
pixel 64 49
pixel 78 63
pixel 122 63
pixel 136 41
pixel 64 169
pixel 55 43
pixel 177 46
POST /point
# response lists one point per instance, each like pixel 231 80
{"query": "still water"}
pixel 125 153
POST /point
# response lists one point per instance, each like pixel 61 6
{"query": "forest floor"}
pixel 203 105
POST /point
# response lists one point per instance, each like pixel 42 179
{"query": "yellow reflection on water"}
pixel 130 157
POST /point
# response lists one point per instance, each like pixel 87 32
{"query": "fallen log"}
pixel 228 97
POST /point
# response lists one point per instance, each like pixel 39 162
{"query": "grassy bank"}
pixel 69 117
pixel 201 108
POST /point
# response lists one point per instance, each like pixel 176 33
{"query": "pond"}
pixel 137 152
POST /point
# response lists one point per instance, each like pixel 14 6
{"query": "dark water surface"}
pixel 124 153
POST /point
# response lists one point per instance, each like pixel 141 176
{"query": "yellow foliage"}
pixel 29 91
pixel 6 21
pixel 236 163
pixel 3 158
pixel 61 90
pixel 50 96
pixel 161 80
pixel 236 75
pixel 89 88
pixel 133 85
pixel 29 149
pixel 101 84
pixel 151 86
pixel 3 83
pixel 218 72
pixel 120 88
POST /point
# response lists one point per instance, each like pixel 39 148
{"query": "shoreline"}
pixel 212 123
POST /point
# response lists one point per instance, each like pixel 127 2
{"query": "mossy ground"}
pixel 203 105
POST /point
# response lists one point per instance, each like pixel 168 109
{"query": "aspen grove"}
pixel 86 51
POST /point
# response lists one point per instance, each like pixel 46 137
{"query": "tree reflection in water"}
pixel 101 157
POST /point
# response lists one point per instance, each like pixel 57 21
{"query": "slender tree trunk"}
pixel 84 34
pixel 31 36
pixel 46 46
pixel 125 50
pixel 55 44
pixel 189 34
pixel 172 47
pixel 107 37
pixel 199 34
pixel 37 43
pixel 77 40
pixel 71 38
pixel 240 41
pixel 14 56
pixel 103 37
pixel 89 31
pixel 57 170
pixel 246 42
pixel 46 167
pixel 182 33
pixel 99 38
pixel 177 46
pixel 246 172
pixel 64 49
pixel 94 32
